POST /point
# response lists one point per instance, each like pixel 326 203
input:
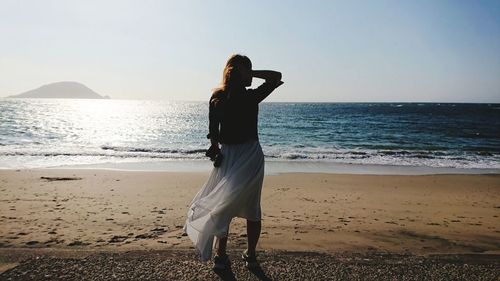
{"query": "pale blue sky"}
pixel 335 51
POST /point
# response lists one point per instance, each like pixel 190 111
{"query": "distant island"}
pixel 61 90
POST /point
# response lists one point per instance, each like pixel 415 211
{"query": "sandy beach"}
pixel 329 213
pixel 371 226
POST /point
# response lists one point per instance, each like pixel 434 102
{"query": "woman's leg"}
pixel 222 243
pixel 253 234
pixel 221 246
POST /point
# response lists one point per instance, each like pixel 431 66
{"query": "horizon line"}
pixel 174 100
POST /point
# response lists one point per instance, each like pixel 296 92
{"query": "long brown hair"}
pixel 230 78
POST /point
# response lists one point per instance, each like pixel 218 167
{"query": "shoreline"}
pixel 272 167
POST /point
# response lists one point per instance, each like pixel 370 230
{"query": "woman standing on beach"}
pixel 233 189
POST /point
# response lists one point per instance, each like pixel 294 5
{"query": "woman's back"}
pixel 237 111
pixel 238 117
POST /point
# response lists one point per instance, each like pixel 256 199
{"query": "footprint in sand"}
pixel 54 240
pixel 78 243
pixel 117 239
pixel 145 236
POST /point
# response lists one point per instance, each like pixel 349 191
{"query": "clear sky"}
pixel 334 51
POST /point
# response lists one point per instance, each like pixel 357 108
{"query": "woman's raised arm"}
pixel 268 75
pixel 273 81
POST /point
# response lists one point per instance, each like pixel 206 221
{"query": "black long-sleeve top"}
pixel 233 117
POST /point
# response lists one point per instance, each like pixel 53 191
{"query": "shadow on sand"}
pixel 228 275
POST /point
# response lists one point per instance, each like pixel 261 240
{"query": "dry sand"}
pixel 331 213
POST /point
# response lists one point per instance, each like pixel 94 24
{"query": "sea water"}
pixel 37 133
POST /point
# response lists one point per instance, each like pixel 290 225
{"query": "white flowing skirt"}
pixel 232 190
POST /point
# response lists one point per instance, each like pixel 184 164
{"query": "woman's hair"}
pixel 230 77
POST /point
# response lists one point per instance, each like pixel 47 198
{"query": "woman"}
pixel 233 189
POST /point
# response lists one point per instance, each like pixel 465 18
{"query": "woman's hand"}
pixel 214 142
pixel 213 151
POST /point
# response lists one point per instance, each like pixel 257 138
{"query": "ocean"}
pixel 43 133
